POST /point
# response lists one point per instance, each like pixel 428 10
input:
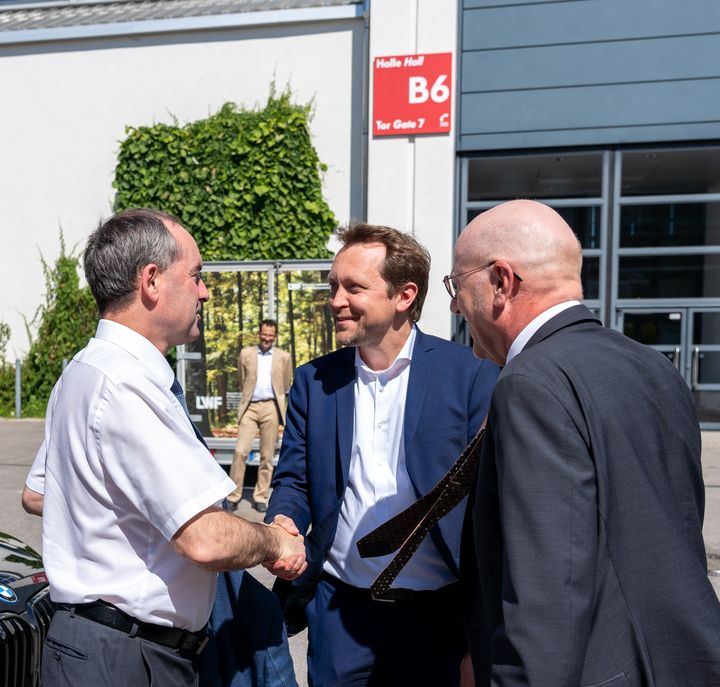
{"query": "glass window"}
pixel 706 328
pixel 654 329
pixel 709 370
pixel 584 221
pixel 669 276
pixel 591 277
pixel 670 224
pixel 577 175
pixel 667 172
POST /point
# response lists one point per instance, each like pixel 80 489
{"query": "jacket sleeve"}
pixel 241 371
pixel 546 495
pixel 290 480
pixel 481 390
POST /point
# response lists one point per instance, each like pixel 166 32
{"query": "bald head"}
pixel 535 240
pixel 512 263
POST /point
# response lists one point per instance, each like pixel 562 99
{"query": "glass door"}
pixel 703 373
pixel 663 330
pixel 690 338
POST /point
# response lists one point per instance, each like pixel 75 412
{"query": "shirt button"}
pixel 382 388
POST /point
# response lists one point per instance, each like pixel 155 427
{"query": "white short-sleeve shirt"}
pixel 121 471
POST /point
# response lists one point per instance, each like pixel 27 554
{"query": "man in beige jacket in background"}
pixel 264 372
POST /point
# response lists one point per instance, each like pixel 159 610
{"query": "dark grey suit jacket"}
pixel 586 522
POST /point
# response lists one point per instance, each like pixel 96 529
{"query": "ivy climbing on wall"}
pixel 245 183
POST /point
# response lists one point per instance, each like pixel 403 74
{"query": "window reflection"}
pixel 666 172
pixel 670 224
pixel 669 276
pixel 564 175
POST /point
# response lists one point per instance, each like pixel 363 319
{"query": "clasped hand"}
pixel 291 563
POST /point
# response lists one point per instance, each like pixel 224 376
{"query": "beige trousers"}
pixel 263 416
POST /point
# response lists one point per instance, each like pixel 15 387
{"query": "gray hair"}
pixel 119 249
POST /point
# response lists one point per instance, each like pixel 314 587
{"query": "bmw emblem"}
pixel 7 595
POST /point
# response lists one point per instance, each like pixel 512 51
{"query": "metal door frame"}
pixel 694 350
pixel 689 351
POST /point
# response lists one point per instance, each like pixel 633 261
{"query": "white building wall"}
pixel 411 180
pixel 65 106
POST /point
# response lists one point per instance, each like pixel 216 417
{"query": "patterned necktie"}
pixel 180 395
pixel 408 528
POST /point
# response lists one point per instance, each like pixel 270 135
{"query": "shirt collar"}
pixel 138 347
pixel 268 352
pixel 526 334
pixel 403 358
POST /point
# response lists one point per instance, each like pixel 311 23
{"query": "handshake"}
pixel 289 561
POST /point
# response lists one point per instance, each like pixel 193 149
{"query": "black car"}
pixel 25 613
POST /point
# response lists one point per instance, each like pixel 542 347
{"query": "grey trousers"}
pixel 82 652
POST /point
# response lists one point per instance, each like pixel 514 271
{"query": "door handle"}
pixel 695 366
pixel 676 358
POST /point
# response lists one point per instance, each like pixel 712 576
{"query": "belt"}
pixel 110 616
pixel 263 400
pixel 394 594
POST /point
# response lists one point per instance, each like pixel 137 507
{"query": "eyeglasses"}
pixel 451 284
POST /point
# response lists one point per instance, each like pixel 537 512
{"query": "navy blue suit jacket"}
pixel 448 396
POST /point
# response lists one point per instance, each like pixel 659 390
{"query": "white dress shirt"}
pixel 121 471
pixel 263 385
pixel 527 333
pixel 378 485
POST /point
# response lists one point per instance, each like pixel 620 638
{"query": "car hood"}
pixel 21 573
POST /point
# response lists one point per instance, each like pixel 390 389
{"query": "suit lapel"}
pixel 345 410
pixel 420 369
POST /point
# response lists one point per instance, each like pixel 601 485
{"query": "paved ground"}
pixel 20 439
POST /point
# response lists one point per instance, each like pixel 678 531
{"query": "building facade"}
pixel 607 110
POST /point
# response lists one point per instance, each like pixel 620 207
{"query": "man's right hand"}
pixel 291 563
pixel 218 541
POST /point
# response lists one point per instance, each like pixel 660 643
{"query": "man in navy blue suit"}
pixel 371 428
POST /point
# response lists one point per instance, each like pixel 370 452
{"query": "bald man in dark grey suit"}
pixel 584 561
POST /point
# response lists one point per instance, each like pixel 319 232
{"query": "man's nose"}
pixel 203 293
pixel 338 299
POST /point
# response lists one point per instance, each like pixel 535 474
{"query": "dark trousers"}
pixel 82 652
pixel 356 641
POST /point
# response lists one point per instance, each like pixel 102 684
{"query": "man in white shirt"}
pixel 371 428
pixel 133 535
pixel 264 373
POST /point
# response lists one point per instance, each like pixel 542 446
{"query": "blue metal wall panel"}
pixel 588 72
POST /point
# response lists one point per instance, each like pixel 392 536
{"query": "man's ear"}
pixel 505 283
pixel 407 295
pixel 149 283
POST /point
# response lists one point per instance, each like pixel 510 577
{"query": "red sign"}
pixel 412 94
